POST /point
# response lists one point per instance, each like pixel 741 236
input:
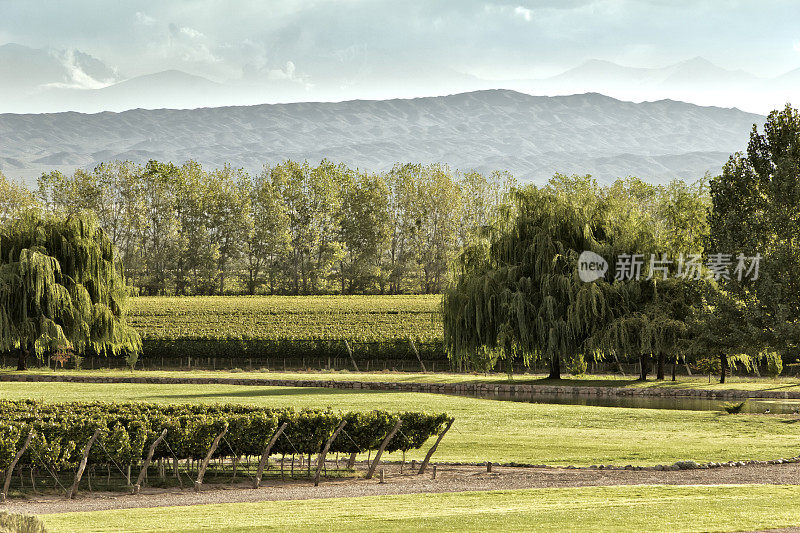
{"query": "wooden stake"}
pixel 146 463
pixel 350 352
pixel 321 460
pixel 10 469
pixel 82 466
pixel 433 448
pixel 416 352
pixel 383 447
pixel 201 472
pixel 265 455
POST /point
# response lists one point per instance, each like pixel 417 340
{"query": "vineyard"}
pixel 261 328
pixel 118 436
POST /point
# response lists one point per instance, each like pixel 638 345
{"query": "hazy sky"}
pixel 303 38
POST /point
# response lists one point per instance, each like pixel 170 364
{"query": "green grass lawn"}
pixel 622 508
pixel 604 380
pixel 498 431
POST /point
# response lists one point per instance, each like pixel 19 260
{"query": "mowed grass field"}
pixel 498 431
pixel 621 508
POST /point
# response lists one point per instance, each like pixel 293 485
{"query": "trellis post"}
pixel 321 459
pixel 383 447
pixel 433 448
pixel 74 491
pixel 350 352
pixel 17 457
pixel 416 352
pixel 211 451
pixel 265 455
pixel 146 463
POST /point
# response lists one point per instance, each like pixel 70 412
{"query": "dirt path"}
pixel 448 479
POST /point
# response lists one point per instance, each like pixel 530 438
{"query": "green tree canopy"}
pixel 756 210
pixel 61 287
pixel 520 294
pixel 14 199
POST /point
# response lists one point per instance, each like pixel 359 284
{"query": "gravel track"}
pixel 448 479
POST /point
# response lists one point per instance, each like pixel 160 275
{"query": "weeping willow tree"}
pixel 61 288
pixel 517 293
pixel 649 319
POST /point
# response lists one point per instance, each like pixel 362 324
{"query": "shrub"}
pixel 774 364
pixel 734 408
pixel 707 365
pixel 20 523
pixel 577 365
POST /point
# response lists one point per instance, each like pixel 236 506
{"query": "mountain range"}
pixel 53 80
pixel 531 136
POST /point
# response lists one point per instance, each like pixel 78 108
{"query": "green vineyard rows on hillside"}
pixel 352 318
pixel 262 327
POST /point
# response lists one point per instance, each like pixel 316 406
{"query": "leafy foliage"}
pixel 520 293
pixel 294 228
pixel 774 364
pixel 61 286
pixel 128 430
pixel 756 209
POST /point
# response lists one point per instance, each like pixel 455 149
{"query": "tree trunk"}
pixel 674 366
pixel 643 367
pixel 660 367
pixel 22 358
pixel 555 367
pixel 723 367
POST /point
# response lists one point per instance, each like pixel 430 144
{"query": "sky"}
pixel 313 42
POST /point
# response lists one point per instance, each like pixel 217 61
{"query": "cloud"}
pixel 796 46
pixel 77 77
pixel 328 40
pixel 286 73
pixel 144 19
pixel 523 12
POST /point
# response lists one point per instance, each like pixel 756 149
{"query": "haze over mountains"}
pixel 54 80
pixel 531 136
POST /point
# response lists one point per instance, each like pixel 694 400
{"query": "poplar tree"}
pixel 15 199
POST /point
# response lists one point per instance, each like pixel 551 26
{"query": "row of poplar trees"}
pixel 517 297
pixel 292 229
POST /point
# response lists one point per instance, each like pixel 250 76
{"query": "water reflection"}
pixel 773 406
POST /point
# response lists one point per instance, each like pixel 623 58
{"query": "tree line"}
pixel 717 270
pixel 292 229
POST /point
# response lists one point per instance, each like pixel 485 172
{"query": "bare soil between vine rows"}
pixel 448 479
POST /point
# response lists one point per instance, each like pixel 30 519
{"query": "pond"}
pixel 753 405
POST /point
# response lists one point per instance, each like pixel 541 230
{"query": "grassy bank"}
pixel 605 380
pixel 494 430
pixel 622 508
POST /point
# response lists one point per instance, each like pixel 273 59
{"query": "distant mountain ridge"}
pixel 55 80
pixel 531 136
